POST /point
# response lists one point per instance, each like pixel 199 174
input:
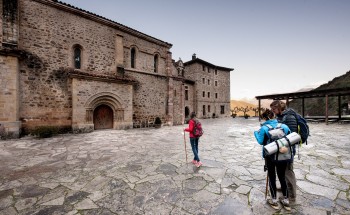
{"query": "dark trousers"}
pixel 272 167
pixel 291 181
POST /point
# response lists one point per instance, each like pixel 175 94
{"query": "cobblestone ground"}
pixel 144 171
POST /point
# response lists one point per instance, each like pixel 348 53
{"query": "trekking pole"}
pixel 185 145
pixel 267 178
pixel 267 182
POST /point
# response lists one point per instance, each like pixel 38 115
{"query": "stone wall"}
pixel 191 102
pixel 1 21
pixel 178 103
pixel 50 35
pixel 89 94
pixel 205 83
pixel 9 25
pixel 48 94
pixel 150 98
pixel 9 97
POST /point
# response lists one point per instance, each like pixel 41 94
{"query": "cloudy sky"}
pixel 274 46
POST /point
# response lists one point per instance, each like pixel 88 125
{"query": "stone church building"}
pixel 69 68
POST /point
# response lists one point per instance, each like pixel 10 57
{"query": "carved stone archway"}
pixel 103 117
pixel 104 110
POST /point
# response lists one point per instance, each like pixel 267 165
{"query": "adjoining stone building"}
pixel 65 67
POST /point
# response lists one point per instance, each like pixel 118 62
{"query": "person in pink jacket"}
pixel 193 140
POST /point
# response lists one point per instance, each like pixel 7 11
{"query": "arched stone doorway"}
pixel 187 112
pixel 103 117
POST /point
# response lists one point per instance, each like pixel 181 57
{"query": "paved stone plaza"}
pixel 144 171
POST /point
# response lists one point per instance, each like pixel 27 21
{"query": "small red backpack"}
pixel 197 130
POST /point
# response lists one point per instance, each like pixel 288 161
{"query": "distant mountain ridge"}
pixel 316 106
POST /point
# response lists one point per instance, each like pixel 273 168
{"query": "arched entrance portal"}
pixel 103 117
pixel 187 112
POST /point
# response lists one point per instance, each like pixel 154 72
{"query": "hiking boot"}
pixel 194 161
pixel 285 203
pixel 198 164
pixel 273 203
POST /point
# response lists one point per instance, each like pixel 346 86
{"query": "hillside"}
pixel 242 104
pixel 316 106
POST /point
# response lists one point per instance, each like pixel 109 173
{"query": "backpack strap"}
pixel 278 150
pixel 290 147
pixel 269 126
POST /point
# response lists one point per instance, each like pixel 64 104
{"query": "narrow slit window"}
pixel 77 57
pixel 133 56
pixel 156 63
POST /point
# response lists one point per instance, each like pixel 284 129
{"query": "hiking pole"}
pixel 267 178
pixel 185 144
pixel 267 182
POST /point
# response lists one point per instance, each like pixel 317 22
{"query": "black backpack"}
pixel 303 127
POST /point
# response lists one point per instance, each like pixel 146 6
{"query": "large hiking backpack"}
pixel 197 130
pixel 275 134
pixel 303 127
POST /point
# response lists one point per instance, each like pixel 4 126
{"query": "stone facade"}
pixel 210 96
pixel 65 67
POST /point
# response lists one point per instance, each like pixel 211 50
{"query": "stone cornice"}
pixel 145 73
pixel 76 73
pixel 86 14
pixel 14 52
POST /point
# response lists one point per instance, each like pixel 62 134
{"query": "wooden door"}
pixel 103 117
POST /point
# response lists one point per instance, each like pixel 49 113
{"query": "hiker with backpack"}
pixel 195 130
pixel 297 124
pixel 274 162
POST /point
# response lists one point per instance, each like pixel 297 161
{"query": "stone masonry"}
pixel 54 58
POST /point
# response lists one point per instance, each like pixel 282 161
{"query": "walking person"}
pixel 194 139
pixel 262 136
pixel 286 116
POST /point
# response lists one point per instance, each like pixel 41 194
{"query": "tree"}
pixel 256 110
pixel 234 111
pixel 245 110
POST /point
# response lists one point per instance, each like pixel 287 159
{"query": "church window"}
pixel 155 63
pixel 77 57
pixel 133 57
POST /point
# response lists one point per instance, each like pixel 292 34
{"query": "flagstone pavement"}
pixel 144 171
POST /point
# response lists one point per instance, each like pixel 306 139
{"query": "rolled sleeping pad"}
pixel 272 148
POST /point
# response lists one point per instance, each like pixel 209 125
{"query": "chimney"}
pixel 194 56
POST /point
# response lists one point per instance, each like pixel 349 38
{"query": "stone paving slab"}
pixel 144 171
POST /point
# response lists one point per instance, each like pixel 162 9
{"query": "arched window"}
pixel 77 57
pixel 133 57
pixel 155 62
